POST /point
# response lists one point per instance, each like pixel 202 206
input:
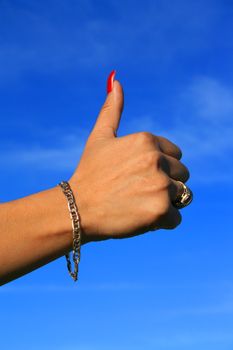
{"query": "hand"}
pixel 124 186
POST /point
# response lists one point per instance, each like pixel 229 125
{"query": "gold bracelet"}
pixel 74 215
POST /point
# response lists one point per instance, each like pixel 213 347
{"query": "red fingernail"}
pixel 110 81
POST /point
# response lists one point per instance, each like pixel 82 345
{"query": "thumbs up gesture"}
pixel 125 186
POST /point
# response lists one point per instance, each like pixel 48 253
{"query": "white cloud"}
pixel 64 156
pixel 212 101
pixel 202 125
pixel 56 37
pixel 44 158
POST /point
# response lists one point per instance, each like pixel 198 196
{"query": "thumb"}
pixel 110 114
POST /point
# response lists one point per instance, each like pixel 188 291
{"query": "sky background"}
pixel 169 289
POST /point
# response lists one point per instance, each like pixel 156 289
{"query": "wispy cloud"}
pixel 62 155
pixel 183 338
pixel 202 125
pixel 52 36
pixel 49 37
pixel 44 158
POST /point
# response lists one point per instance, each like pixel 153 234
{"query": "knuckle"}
pixel 164 215
pixel 156 140
pixel 150 158
pixel 147 212
pixel 163 208
pixel 106 106
pixel 164 182
pixel 156 212
pixel 144 137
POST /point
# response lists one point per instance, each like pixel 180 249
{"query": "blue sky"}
pixel 170 289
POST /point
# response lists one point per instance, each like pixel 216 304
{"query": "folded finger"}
pixel 169 147
pixel 174 168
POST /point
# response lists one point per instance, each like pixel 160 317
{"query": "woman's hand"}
pixel 125 186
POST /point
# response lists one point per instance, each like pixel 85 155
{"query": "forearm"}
pixel 34 230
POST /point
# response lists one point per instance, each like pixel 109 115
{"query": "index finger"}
pixel 169 147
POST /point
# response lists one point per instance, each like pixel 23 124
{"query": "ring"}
pixel 185 198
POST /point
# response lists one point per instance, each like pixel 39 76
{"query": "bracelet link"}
pixel 74 215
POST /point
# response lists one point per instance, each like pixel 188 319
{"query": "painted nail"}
pixel 110 81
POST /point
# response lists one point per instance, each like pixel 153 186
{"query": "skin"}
pixel 124 186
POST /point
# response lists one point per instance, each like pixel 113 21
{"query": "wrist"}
pixel 61 220
pixel 83 208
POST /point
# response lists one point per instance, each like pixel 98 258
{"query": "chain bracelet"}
pixel 74 215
